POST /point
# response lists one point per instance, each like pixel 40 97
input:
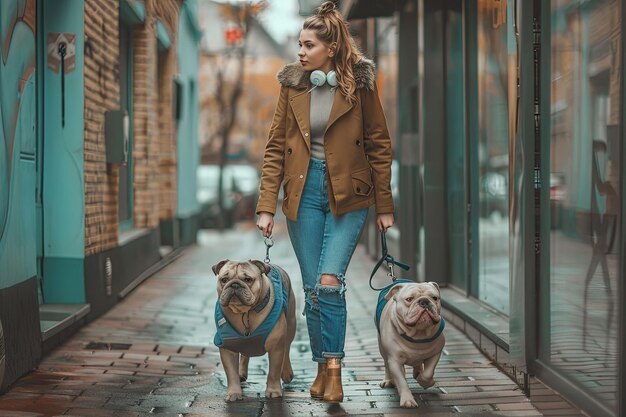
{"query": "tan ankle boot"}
pixel 333 391
pixel 317 388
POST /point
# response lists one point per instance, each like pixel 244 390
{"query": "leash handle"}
pixel 388 258
pixel 268 244
pixel 390 262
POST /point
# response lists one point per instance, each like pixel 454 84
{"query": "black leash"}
pixel 390 262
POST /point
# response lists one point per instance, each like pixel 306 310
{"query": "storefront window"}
pixel 495 66
pixel 456 146
pixel 584 193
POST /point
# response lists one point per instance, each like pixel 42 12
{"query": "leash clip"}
pixel 391 262
pixel 391 273
pixel 268 244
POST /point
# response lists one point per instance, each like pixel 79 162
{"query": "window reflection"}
pixel 496 66
pixel 584 192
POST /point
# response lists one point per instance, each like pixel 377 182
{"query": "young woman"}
pixel 329 147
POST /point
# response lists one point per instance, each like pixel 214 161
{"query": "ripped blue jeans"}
pixel 324 245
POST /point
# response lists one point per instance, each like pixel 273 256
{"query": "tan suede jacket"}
pixel 357 147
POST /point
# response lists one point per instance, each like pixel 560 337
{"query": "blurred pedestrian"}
pixel 330 148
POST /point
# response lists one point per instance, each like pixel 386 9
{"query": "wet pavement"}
pixel 153 353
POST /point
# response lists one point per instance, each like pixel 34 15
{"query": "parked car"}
pixel 240 191
pixel 395 183
pixel 558 192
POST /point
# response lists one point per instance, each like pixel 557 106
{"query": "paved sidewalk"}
pixel 153 354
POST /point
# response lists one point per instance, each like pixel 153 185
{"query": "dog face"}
pixel 240 284
pixel 417 304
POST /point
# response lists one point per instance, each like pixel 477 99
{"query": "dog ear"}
pixel 216 268
pixel 434 284
pixel 393 291
pixel 264 267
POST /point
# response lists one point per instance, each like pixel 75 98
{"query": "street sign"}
pixel 58 42
pixel 233 35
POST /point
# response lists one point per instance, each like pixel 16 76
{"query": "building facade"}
pixel 97 169
pixel 511 193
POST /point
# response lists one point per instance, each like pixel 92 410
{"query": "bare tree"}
pixel 229 83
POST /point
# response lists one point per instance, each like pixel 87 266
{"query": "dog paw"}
pixel 407 401
pixel 409 404
pixel 273 393
pixel 287 376
pixel 387 383
pixel 426 383
pixel 234 396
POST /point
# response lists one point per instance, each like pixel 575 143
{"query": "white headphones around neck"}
pixel 318 78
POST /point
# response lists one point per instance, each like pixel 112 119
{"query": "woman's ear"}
pixel 332 49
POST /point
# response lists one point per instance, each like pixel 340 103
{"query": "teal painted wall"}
pixel 17 146
pixel 188 147
pixel 63 177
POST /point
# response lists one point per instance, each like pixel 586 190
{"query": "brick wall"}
pixel 155 145
pixel 167 12
pixel 153 128
pixel 145 124
pixel 101 94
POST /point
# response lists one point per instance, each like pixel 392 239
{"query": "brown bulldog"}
pixel 411 333
pixel 255 314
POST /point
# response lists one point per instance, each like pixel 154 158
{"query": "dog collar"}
pixel 264 301
pixel 442 325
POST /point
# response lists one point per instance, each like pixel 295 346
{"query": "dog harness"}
pixel 228 337
pixel 382 302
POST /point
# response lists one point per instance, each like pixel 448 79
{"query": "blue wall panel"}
pixel 188 147
pixel 63 177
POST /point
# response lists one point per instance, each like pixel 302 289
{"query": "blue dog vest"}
pixel 382 302
pixel 228 337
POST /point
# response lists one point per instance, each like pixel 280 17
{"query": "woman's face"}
pixel 314 54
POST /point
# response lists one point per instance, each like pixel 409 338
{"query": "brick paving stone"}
pixel 560 412
pixel 15 413
pixel 170 367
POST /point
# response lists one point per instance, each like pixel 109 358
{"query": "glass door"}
pixel 580 334
pixel 495 103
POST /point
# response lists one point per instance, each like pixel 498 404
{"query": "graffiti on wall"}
pixel 17 39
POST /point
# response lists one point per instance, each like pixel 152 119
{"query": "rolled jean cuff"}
pixel 339 355
pixel 318 360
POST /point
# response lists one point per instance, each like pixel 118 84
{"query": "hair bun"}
pixel 326 8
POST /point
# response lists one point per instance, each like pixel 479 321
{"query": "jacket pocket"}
pixel 286 180
pixel 362 182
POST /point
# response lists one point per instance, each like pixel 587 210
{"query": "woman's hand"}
pixel 384 221
pixel 265 223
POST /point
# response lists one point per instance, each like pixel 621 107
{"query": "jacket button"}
pixel 289 151
pixel 358 143
pixel 306 134
pixel 301 176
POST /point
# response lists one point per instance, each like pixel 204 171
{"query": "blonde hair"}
pixel 330 27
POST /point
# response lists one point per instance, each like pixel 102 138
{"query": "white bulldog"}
pixel 252 319
pixel 410 333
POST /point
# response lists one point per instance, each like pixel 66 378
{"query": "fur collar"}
pixel 294 76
